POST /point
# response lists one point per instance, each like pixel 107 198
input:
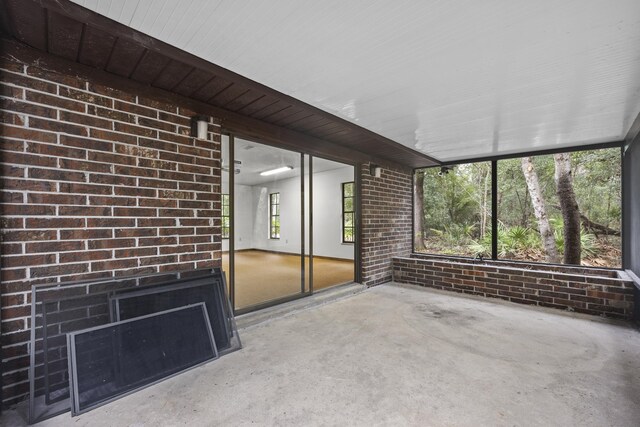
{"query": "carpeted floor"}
pixel 264 276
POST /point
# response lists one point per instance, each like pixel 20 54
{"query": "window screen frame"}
pixel 494 202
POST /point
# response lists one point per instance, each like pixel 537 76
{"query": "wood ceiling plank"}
pixel 211 88
pixel 95 43
pixel 172 74
pixel 302 114
pixel 149 67
pixel 243 100
pixel 270 109
pixel 324 128
pixel 29 24
pixel 257 105
pixel 228 94
pixel 335 132
pixel 125 57
pixel 307 123
pixel 193 82
pixel 64 35
pixel 277 116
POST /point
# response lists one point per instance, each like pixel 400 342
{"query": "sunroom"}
pixel 381 188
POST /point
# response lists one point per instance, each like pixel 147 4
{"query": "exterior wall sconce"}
pixel 199 127
pixel 375 171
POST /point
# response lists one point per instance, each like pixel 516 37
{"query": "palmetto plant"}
pixel 588 242
pixel 511 241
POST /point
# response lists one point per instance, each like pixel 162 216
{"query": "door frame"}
pixel 357 259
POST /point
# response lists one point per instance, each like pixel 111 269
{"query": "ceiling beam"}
pixel 119 30
pixel 230 121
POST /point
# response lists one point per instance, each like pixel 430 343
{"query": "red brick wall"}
pixel 530 284
pixel 386 221
pixel 95 182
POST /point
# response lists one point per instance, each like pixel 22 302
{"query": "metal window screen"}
pixel 55 311
pixel 61 308
pixel 210 289
pixel 110 361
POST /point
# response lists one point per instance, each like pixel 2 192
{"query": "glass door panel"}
pixel 334 201
pixel 268 220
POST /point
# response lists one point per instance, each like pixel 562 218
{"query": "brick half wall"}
pixel 96 182
pixel 582 293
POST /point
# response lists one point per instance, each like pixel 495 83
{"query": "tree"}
pixel 483 180
pixel 568 207
pixel 540 210
pixel 418 212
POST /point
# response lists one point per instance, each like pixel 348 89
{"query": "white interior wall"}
pixel 289 240
pixel 327 213
pixel 252 215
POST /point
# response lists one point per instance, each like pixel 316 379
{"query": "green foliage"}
pixel 457 207
pixel 588 242
pixel 513 242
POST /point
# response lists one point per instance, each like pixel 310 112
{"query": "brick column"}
pixel 386 221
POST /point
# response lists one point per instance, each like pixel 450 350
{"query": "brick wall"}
pixel 96 182
pixel 532 285
pixel 386 221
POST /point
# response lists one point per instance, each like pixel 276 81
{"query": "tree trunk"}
pixel 418 212
pixel 594 226
pixel 540 210
pixel 484 209
pixel 569 208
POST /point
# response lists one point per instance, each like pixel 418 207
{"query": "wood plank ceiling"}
pixel 69 31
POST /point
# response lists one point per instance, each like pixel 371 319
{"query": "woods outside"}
pixel 551 208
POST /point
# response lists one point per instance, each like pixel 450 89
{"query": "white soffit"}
pixel 453 79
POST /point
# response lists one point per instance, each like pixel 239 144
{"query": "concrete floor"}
pixel 403 356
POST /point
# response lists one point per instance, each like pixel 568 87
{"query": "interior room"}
pixel 319 213
pixel 284 201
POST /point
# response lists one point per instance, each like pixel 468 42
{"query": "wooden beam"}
pixel 96 20
pixel 231 121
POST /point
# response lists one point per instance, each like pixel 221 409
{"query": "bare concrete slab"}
pixel 403 356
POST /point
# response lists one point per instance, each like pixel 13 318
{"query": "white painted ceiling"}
pixel 454 79
pixel 256 158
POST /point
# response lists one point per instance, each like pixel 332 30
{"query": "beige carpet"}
pixel 264 276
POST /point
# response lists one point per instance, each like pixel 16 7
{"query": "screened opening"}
pixel 453 209
pixel 562 208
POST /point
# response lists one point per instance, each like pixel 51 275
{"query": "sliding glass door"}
pixel 288 223
pixel 268 222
